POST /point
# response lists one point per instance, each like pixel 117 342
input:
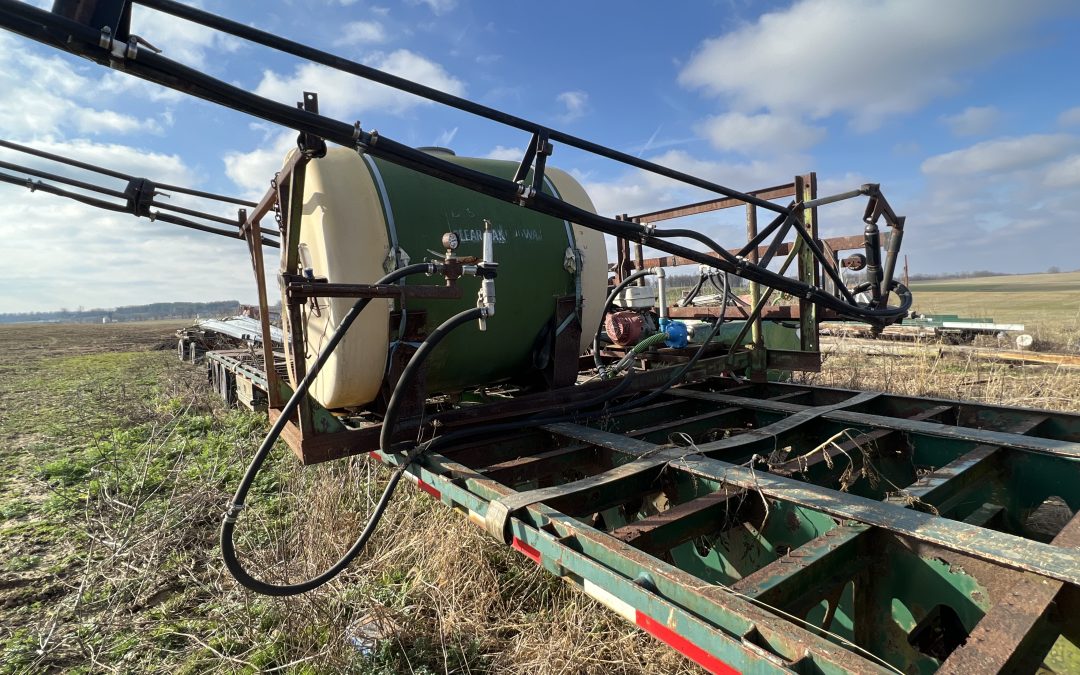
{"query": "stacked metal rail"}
pixel 781 528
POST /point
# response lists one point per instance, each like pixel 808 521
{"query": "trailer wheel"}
pixel 181 350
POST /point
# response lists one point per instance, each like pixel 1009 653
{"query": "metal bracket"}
pixel 140 196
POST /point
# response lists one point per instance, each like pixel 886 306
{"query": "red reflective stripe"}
pixel 375 456
pixel 430 489
pixel 531 552
pixel 684 646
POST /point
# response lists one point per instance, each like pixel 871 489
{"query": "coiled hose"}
pixel 656 339
pixel 228 524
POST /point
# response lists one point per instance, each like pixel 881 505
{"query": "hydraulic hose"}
pixel 688 299
pixel 228 523
pixel 540 419
pixel 386 435
pixel 607 304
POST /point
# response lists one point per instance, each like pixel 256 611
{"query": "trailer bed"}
pixel 785 528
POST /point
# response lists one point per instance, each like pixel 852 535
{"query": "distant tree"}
pixel 1053 269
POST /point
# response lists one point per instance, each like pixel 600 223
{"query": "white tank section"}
pixel 345 238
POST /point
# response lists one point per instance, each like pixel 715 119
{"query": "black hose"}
pixel 404 383
pixel 607 303
pixel 692 293
pixel 228 523
pixel 536 420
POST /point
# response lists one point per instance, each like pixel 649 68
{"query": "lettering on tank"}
pixel 502 235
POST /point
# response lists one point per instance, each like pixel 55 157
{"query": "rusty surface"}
pixel 835 243
pixel 1011 637
pixel 778 192
pixel 682 522
pixel 303 290
pixel 814 564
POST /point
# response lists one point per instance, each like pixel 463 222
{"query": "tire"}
pixel 181 350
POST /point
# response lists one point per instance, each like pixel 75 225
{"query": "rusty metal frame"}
pixel 803 190
pixel 552 492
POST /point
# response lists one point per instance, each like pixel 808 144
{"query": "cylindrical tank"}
pixel 363 217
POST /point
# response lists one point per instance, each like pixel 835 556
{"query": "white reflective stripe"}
pixel 476 519
pixel 620 607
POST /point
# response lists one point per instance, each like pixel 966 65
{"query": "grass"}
pixel 119 463
pixel 1047 304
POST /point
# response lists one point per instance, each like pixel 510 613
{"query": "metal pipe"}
pixel 83 40
pixel 62 179
pixel 661 291
pixel 895 238
pixel 755 288
pixel 117 174
pixel 318 56
pixel 822 201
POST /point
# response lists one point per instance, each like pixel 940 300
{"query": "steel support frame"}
pixel 740 627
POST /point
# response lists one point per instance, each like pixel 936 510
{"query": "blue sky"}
pixel 967 113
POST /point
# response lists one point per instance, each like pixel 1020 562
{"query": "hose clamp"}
pixel 232 512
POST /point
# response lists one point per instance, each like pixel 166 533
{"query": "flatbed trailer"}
pixel 777 527
pixel 950 328
pixel 753 526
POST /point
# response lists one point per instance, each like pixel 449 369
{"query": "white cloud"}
pixel 56 97
pixel 575 103
pixel 439 7
pixel 252 171
pixel 973 121
pixel 345 95
pixel 759 133
pixel 1001 155
pixel 361 33
pixel 1065 173
pixel 1070 117
pixel 89 121
pixel 867 60
pixel 180 40
pixel 984 206
pixel 508 154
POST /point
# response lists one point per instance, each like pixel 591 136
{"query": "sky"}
pixel 966 112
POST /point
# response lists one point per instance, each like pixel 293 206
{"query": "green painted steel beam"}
pixel 827 560
pixel 1048 446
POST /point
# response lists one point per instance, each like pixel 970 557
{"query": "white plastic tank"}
pixel 362 217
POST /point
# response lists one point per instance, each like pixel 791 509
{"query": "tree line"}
pixel 148 312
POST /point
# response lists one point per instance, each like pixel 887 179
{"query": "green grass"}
pixel 109 459
pixel 1047 304
pixel 118 464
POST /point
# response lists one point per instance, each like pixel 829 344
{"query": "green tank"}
pixel 363 217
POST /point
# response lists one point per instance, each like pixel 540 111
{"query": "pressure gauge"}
pixel 450 241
